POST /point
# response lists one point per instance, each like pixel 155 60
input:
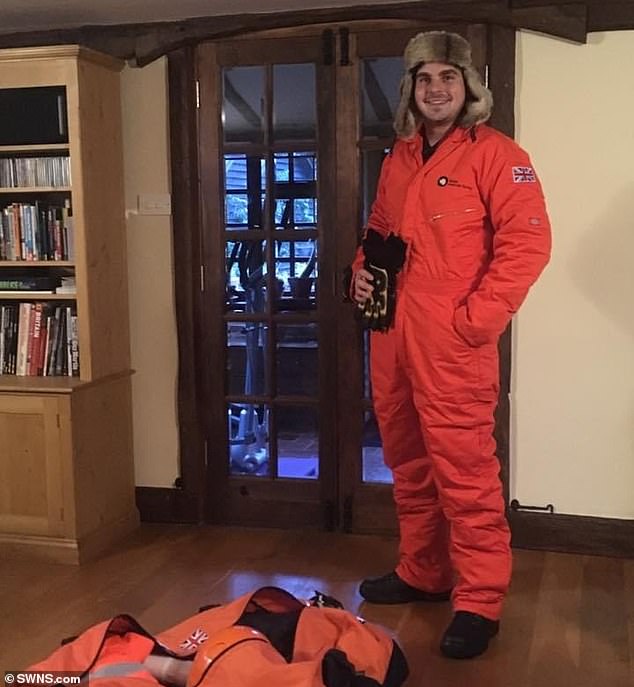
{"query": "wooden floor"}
pixel 568 621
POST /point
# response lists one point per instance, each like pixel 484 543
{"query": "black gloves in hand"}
pixel 383 259
pixel 374 310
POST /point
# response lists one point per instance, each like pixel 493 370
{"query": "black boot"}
pixel 468 635
pixel 390 589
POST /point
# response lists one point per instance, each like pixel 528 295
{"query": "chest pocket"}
pixel 460 236
pixel 458 215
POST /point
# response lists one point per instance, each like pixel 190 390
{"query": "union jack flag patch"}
pixel 195 639
pixel 523 175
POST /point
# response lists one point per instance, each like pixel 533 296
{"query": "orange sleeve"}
pixel 521 242
pixel 378 216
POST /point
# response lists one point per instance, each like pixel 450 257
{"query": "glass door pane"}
pixel 271 224
pixel 283 207
pixel 242 104
pixel 380 78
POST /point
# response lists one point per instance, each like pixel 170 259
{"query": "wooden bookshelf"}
pixel 29 264
pixel 66 449
pixel 39 385
pixel 44 148
pixel 20 190
pixel 35 296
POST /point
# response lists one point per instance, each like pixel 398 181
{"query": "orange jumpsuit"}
pixel 478 236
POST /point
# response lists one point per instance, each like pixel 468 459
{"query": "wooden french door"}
pixel 292 133
pixel 266 123
pixel 368 91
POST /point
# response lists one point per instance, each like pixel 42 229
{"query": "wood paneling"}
pixel 66 475
pixel 33 488
pixel 101 266
pixel 187 266
pixel 103 474
pixel 161 504
pixel 214 424
pixel 573 533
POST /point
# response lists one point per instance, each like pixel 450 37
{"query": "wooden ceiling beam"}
pixel 568 21
pixel 142 43
pixel 611 16
pixel 603 15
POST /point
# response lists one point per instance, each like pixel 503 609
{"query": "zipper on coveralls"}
pixel 453 213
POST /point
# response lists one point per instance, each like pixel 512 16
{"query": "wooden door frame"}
pixel 369 507
pixel 244 499
pixel 192 501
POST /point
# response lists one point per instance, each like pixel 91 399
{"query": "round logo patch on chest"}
pixel 442 181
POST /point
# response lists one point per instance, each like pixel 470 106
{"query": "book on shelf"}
pixel 24 323
pixel 38 339
pixel 31 172
pixel 27 285
pixel 67 285
pixel 37 231
pixel 26 282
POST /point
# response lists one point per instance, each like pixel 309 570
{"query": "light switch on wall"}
pixel 154 204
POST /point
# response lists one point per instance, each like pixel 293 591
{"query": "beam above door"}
pixel 141 43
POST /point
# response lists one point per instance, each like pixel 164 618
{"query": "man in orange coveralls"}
pixel 467 204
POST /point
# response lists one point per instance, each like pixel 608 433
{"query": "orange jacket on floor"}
pixel 310 647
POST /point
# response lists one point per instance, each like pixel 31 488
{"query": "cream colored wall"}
pixel 573 382
pixel 150 265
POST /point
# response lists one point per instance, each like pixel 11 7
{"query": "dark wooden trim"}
pixel 615 16
pixel 250 502
pixel 326 74
pixel 210 310
pixel 142 43
pixel 572 534
pixel 349 395
pixel 544 532
pixel 186 233
pixel 163 504
pixel 501 61
pixel 562 21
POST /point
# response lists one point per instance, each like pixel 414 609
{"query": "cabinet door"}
pixel 34 447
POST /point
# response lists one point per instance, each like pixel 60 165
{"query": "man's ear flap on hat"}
pixel 479 106
pixel 404 121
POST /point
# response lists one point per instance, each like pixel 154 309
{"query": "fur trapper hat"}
pixel 450 48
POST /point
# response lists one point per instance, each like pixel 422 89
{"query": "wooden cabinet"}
pixel 66 463
pixel 33 477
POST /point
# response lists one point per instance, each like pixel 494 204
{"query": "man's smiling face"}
pixel 439 93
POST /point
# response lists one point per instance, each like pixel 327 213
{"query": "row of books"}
pixel 28 172
pixel 36 231
pixel 38 339
pixel 31 285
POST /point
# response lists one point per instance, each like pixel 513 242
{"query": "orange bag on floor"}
pixel 268 638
